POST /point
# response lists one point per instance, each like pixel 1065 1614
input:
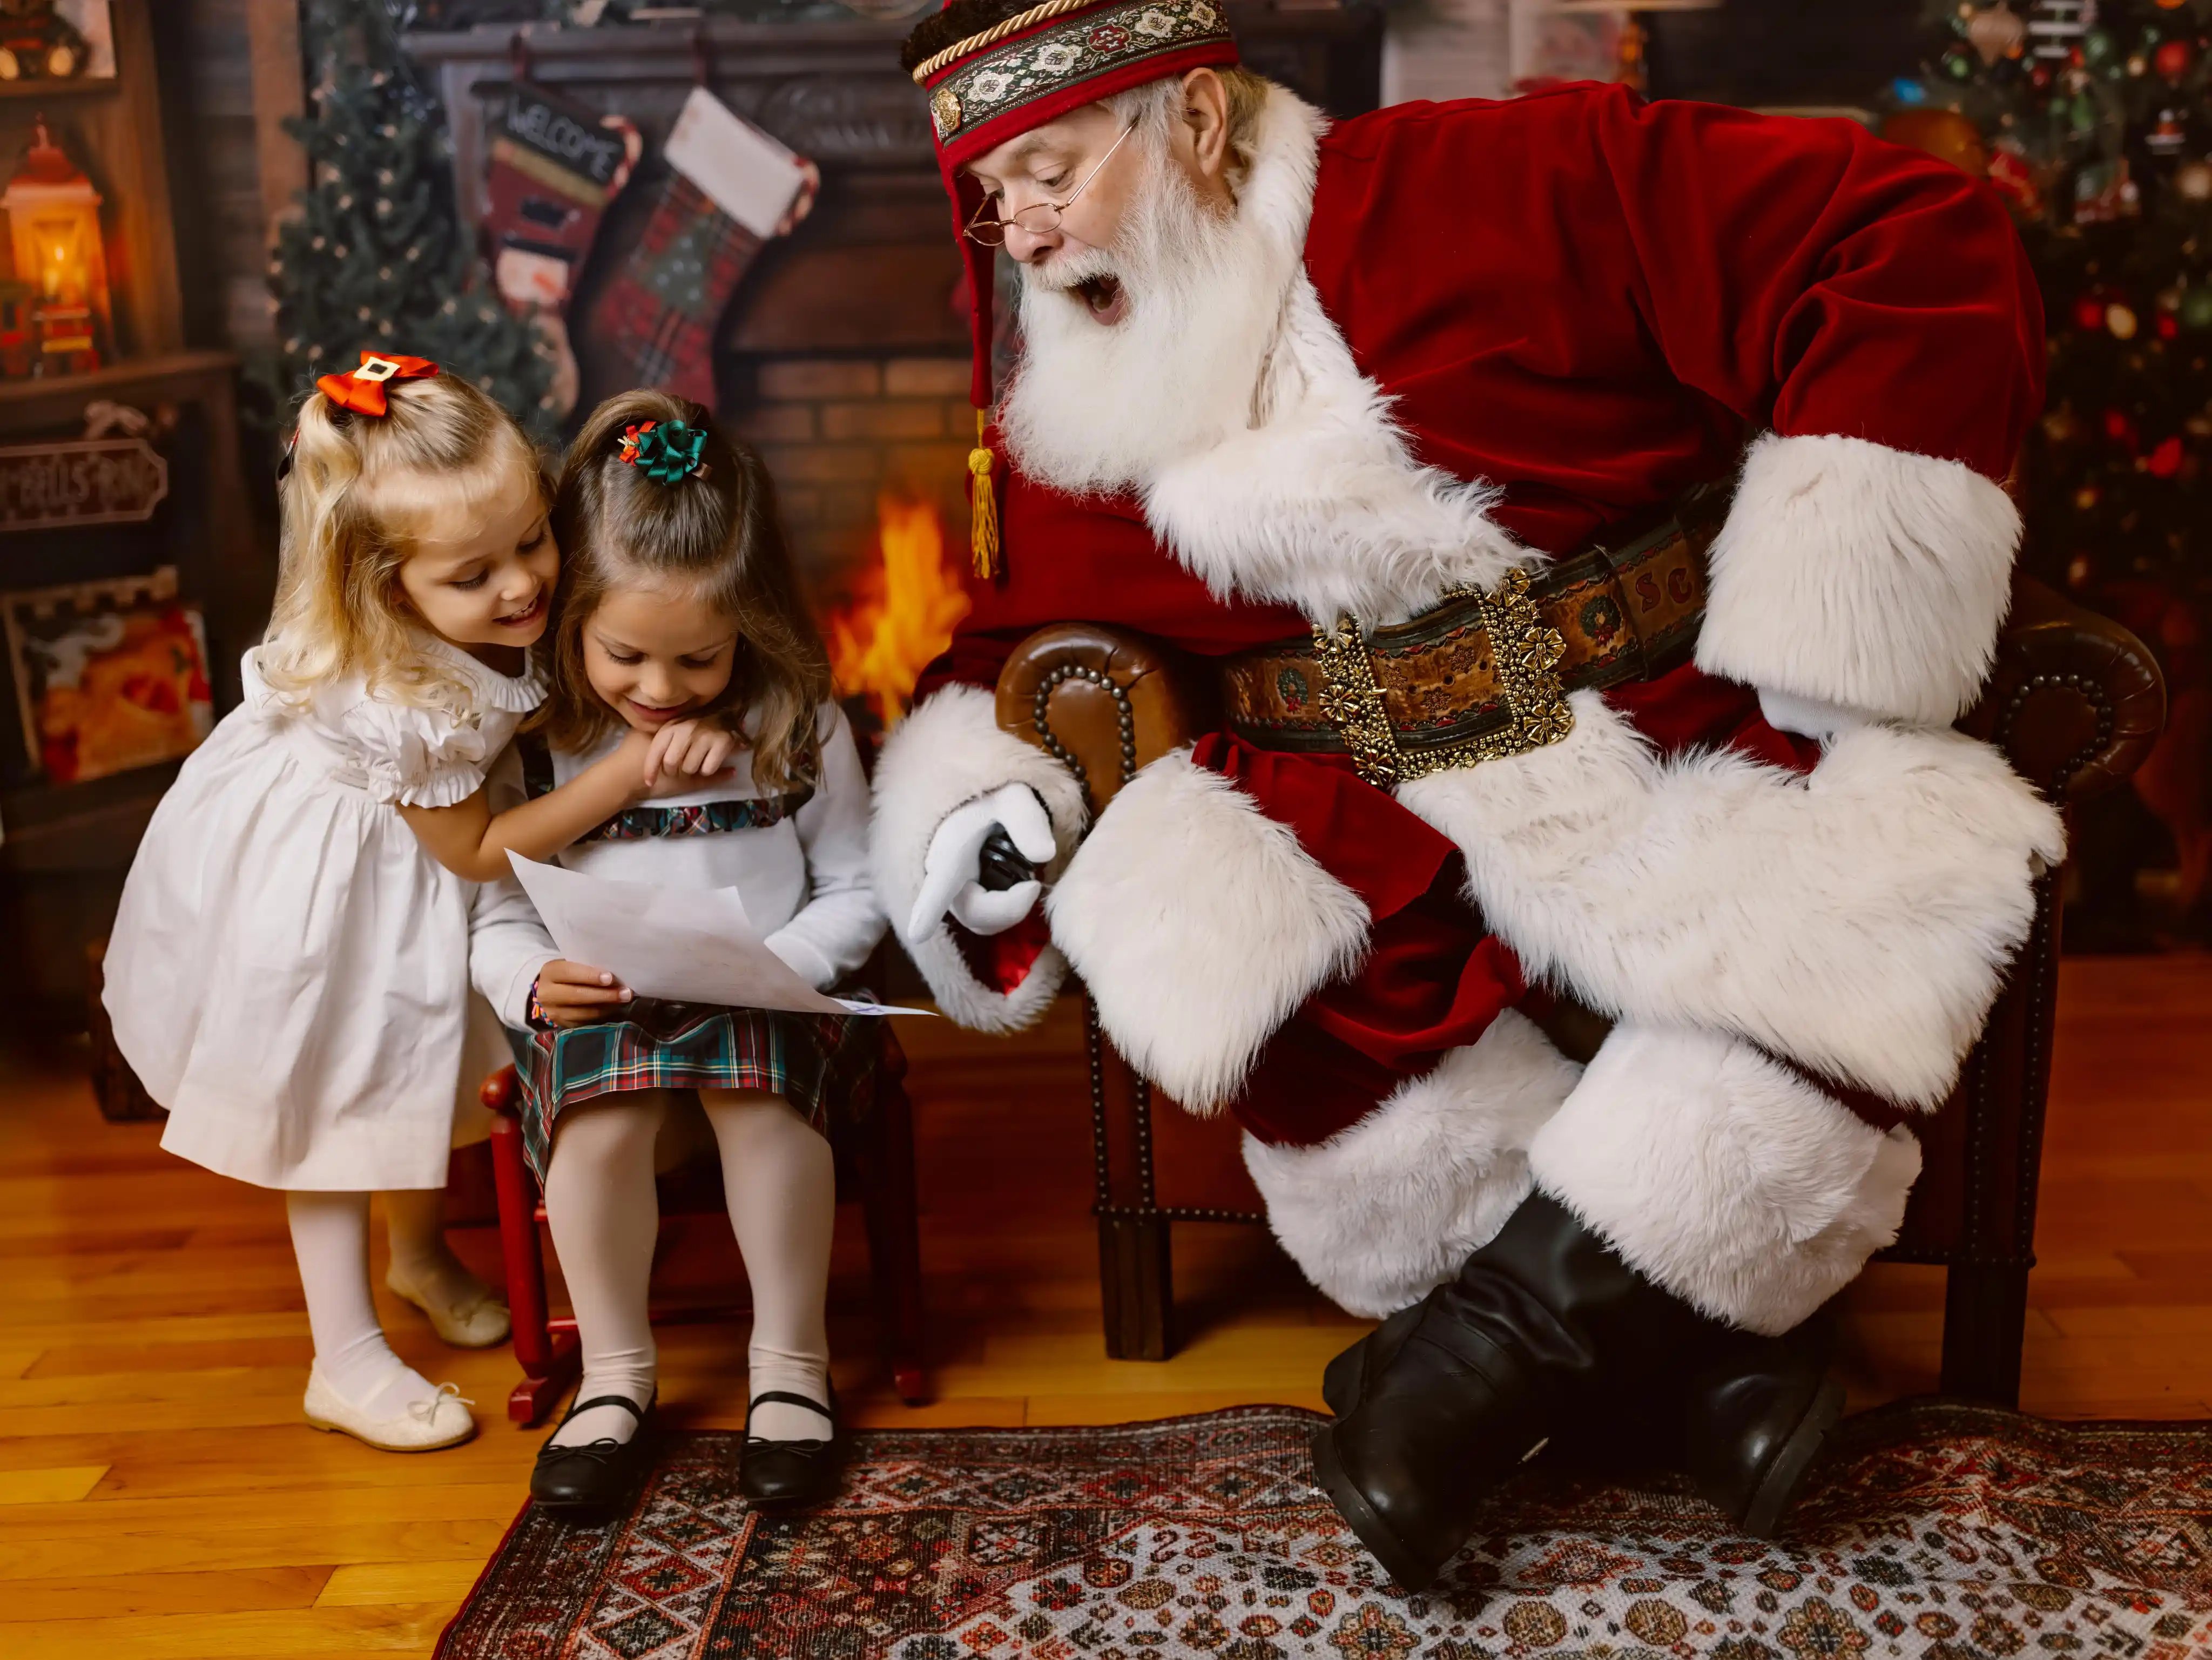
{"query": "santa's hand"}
pixel 955 871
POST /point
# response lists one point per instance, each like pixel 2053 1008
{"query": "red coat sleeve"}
pixel 1819 280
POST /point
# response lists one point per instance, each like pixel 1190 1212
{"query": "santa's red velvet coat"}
pixel 1585 304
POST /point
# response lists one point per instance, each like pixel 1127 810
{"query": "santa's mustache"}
pixel 1071 268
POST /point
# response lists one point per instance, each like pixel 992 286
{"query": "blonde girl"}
pixel 677 605
pixel 289 968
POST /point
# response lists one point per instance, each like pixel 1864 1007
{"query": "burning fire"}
pixel 901 616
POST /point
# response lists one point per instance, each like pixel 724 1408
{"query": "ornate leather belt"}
pixel 1482 674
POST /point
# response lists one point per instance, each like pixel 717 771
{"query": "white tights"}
pixel 779 1180
pixel 414 1226
pixel 329 1238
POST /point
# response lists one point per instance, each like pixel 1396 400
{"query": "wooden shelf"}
pixel 131 371
pixel 76 87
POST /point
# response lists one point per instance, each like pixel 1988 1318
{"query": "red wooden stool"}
pixel 876 1158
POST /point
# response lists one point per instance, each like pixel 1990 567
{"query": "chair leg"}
pixel 531 1401
pixel 1985 1324
pixel 1136 1278
pixel 883 1157
pixel 1136 1283
pixel 549 1365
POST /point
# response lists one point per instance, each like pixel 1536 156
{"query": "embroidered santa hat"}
pixel 992 77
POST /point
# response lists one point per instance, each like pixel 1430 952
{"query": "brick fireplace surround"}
pixel 843 355
pixel 839 432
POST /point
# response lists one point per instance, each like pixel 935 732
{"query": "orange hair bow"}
pixel 362 390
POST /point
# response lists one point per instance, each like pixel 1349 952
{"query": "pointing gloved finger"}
pixel 950 866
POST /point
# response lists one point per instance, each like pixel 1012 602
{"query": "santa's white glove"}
pixel 952 871
pixel 1809 717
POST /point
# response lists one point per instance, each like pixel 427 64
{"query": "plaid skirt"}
pixel 827 1066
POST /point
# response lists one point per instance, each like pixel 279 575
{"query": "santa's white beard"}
pixel 1096 407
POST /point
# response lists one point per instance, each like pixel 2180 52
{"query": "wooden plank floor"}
pixel 160 1498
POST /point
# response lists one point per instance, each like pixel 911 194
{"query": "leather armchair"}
pixel 2075 702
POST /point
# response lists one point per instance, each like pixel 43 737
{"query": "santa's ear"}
pixel 1206 118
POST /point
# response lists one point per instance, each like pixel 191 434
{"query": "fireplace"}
pixel 843 355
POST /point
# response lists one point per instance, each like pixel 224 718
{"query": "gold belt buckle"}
pixel 1527 653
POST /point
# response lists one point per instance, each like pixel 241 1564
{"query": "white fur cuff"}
pixel 950 751
pixel 1859 921
pixel 1854 573
pixel 1379 1215
pixel 1733 1184
pixel 1200 925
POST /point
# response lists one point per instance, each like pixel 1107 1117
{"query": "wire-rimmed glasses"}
pixel 1039 218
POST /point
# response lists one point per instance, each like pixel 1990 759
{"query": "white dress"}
pixel 289 969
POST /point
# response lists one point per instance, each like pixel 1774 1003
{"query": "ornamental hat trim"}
pixel 1052 48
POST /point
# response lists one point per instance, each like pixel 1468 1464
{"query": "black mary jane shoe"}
pixel 789 1475
pixel 599 1475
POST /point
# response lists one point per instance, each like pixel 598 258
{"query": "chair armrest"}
pixel 1103 701
pixel 2074 702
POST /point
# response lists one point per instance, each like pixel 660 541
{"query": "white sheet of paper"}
pixel 688 944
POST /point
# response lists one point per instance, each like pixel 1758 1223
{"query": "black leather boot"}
pixel 1751 1420
pixel 1498 1357
pixel 1344 1380
pixel 599 1476
pixel 1754 1418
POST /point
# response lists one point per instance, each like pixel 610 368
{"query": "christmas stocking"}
pixel 731 192
pixel 555 167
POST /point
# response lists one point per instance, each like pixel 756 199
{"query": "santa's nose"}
pixel 1031 247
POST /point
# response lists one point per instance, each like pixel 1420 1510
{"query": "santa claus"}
pixel 1590 511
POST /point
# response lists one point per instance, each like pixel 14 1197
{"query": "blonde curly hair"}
pixel 361 494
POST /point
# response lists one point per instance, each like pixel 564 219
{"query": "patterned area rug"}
pixel 1937 1530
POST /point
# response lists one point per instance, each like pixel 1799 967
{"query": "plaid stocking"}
pixel 658 312
pixel 732 190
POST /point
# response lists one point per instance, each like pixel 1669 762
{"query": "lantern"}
pixel 53 224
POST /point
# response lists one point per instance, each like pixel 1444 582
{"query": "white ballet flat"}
pixel 478 1323
pixel 443 1420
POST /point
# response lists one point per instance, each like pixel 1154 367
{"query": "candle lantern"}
pixel 53 226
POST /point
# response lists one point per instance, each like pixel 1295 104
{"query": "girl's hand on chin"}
pixel 686 755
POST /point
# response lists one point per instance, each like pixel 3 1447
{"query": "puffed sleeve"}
pixel 840 921
pixel 1874 309
pixel 415 756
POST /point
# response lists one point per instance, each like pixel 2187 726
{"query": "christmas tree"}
pixel 2093 120
pixel 377 257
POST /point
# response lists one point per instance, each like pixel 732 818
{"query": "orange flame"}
pixel 903 613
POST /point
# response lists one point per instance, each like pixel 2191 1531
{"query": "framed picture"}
pixel 108 675
pixel 55 40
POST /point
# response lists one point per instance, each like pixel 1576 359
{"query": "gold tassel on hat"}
pixel 983 504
